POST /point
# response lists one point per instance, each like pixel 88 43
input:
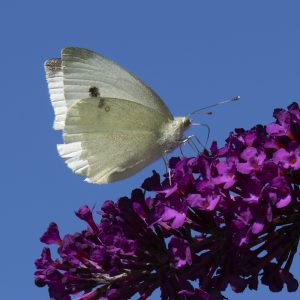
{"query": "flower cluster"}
pixel 231 217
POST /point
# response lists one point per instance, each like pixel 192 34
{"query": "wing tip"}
pixel 52 67
pixel 52 64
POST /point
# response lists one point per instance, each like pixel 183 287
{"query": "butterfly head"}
pixel 185 122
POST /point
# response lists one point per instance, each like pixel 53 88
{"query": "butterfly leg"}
pixel 189 140
pixel 168 170
pixel 207 135
pixel 181 151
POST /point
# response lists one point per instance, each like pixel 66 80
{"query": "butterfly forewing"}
pixel 54 77
pixel 84 69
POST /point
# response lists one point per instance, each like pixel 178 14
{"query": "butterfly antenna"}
pixel 193 144
pixel 235 98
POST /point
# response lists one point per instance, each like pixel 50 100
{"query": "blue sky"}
pixel 192 53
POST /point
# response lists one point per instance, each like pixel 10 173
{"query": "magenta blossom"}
pixel 231 217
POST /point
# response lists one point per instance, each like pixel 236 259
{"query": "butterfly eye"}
pixel 187 123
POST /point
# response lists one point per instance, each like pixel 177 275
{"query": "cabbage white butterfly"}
pixel 113 124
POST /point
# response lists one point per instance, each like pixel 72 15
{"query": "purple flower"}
pixel 226 172
pixel 229 218
pixel 278 192
pixel 288 159
pixel 181 252
pixel 177 217
pixel 207 202
pixel 254 160
pixel 51 236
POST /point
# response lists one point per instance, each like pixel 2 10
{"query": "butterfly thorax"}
pixel 172 133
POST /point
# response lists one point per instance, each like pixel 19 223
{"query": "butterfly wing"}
pixel 54 77
pixel 81 70
pixel 109 139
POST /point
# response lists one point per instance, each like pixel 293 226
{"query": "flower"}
pixel 229 218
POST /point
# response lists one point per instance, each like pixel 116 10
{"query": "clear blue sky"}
pixel 192 53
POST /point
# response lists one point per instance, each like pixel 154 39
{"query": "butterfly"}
pixel 113 124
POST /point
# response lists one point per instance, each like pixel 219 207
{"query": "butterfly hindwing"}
pixel 108 139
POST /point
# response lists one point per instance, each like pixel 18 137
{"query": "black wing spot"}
pixel 101 103
pixel 94 91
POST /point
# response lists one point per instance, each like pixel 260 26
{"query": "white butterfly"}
pixel 113 124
